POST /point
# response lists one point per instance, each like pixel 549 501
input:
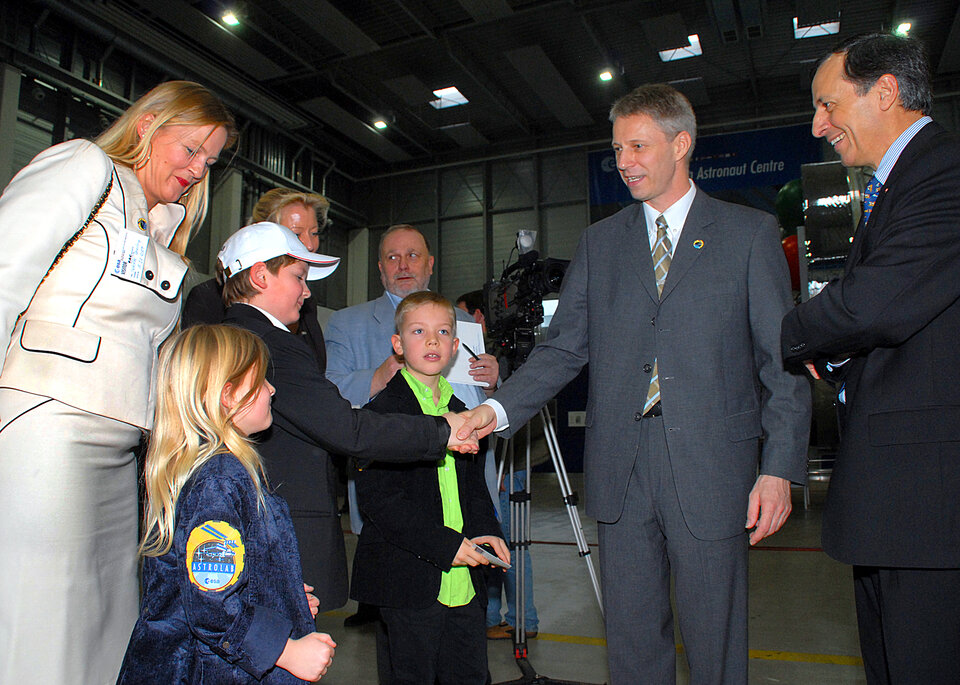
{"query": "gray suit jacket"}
pixel 715 333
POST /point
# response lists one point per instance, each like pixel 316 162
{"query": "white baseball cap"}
pixel 266 240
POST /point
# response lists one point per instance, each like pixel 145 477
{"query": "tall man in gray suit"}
pixel 676 303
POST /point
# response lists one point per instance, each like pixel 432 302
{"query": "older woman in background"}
pixel 94 234
pixel 303 213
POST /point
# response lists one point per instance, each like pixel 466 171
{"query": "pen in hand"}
pixel 470 352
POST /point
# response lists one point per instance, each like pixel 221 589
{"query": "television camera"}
pixel 514 304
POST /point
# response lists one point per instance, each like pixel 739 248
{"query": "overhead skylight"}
pixel 825 29
pixel 692 50
pixel 448 97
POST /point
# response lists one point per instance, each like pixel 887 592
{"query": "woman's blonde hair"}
pixel 192 425
pixel 172 103
pixel 275 200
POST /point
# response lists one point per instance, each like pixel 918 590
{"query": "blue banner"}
pixel 722 162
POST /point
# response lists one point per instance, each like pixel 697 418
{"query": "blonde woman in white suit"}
pixel 82 314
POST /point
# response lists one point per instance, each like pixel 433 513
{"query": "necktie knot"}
pixel 661 225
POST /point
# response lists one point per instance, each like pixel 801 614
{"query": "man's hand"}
pixel 470 443
pixel 486 369
pixel 482 419
pixel 309 657
pixel 384 373
pixel 768 507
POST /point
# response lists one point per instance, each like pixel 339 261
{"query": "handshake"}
pixel 467 428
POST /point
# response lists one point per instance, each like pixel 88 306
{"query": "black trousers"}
pixel 437 644
pixel 909 622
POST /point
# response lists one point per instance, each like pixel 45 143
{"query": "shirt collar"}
pixel 424 392
pixel 270 317
pixel 892 154
pixel 394 299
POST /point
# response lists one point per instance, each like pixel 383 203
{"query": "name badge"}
pixel 129 256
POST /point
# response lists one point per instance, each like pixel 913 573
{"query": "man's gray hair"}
pixel 666 105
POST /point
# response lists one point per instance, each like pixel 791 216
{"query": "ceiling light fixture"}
pixel 691 50
pixel 448 97
pixel 379 124
pixel 230 18
pixel 606 75
pixel 827 28
pixel 903 29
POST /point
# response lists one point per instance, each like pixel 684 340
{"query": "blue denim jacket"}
pixel 220 605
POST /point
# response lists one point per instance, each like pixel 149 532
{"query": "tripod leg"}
pixel 570 499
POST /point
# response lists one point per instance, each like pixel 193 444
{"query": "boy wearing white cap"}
pixel 266 270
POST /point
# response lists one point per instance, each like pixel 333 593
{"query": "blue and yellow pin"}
pixel 697 244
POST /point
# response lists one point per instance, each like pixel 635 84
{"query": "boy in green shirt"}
pixel 416 558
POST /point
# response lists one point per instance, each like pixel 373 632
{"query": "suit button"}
pixel 165 285
pixel 638 416
pixel 225 645
pixel 148 274
pixel 653 321
pixel 647 368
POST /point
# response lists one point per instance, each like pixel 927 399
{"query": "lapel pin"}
pixel 141 224
pixel 697 244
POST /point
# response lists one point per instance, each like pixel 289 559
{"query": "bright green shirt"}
pixel 456 587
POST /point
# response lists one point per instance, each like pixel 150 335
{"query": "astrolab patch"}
pixel 214 556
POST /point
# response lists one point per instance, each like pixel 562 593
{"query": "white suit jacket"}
pixel 87 337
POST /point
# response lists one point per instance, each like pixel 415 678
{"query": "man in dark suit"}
pixel 675 302
pixel 890 328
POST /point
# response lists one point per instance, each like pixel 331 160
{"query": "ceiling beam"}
pixel 333 25
pixel 341 120
pixel 549 85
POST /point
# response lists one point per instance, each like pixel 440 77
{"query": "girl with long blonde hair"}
pixel 223 595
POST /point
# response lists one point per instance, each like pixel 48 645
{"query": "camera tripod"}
pixel 520 543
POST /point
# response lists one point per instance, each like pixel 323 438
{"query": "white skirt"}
pixel 68 542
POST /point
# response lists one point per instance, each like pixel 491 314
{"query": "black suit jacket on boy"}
pixel 311 420
pixel 404 546
pixel 894 497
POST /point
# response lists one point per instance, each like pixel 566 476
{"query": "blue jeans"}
pixel 508 581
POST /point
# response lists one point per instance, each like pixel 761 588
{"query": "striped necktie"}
pixel 661 265
pixel 870 197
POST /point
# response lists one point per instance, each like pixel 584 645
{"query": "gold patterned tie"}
pixel 661 265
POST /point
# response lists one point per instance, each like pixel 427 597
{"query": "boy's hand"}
pixel 468 556
pixel 486 369
pixel 481 418
pixel 499 545
pixel 309 657
pixel 469 444
pixel 312 601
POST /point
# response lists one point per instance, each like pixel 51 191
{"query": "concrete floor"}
pixel 802 619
